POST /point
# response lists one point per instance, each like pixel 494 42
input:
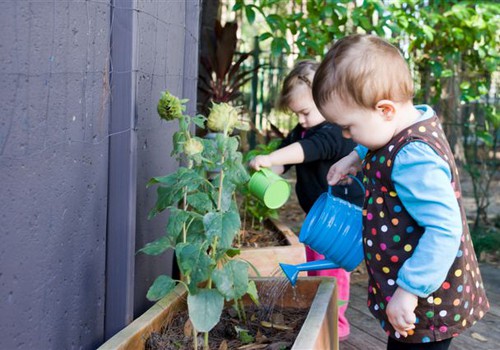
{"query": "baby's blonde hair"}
pixel 301 74
pixel 362 70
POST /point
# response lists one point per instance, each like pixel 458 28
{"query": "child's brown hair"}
pixel 302 73
pixel 362 70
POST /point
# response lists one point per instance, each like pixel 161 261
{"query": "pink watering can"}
pixel 332 228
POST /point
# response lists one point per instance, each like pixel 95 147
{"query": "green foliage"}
pixel 486 239
pixel 205 309
pixel 244 336
pixel 481 132
pixel 451 47
pixel 161 287
pixel 203 221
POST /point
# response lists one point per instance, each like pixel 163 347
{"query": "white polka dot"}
pixel 430 300
pixel 391 147
pixel 384 228
pixel 376 307
pixel 369 243
pixel 397 335
pixel 443 313
pixel 390 282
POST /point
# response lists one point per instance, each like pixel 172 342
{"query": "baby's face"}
pixel 303 105
pixel 365 126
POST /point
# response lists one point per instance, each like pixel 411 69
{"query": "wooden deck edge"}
pixel 320 330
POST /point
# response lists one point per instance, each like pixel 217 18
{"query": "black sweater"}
pixel 323 146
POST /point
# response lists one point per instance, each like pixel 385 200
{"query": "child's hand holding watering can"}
pixel 350 164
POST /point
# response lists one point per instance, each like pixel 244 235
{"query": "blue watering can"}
pixel 332 228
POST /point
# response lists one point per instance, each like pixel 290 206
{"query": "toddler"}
pixel 424 282
pixel 312 146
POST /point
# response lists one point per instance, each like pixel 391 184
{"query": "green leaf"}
pixel 179 138
pixel 465 85
pixel 194 262
pixel 160 287
pixel 447 73
pixel 277 46
pixel 199 120
pixel 237 6
pixel 176 221
pixel 250 13
pixel 429 32
pixel 201 202
pixel 165 197
pixel 327 11
pixel 205 309
pixel 244 336
pixel 167 180
pixel 232 279
pixel 232 252
pixel 196 231
pixel 365 23
pixel 252 292
pixel 156 247
pixel 265 36
pixel 223 225
pixel 276 22
pixel 172 188
pixel 486 137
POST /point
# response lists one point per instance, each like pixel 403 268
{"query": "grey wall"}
pixel 167 59
pixel 54 168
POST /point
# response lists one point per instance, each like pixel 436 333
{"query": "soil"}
pixel 260 235
pixel 260 334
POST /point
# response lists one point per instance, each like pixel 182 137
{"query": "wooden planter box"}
pixel 266 259
pixel 319 331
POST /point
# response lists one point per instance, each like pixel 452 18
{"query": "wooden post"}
pixel 122 176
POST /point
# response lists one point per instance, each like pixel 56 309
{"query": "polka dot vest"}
pixel 390 235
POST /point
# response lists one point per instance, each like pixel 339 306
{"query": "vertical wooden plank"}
pixel 122 170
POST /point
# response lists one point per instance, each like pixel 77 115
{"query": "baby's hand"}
pixel 350 164
pixel 263 161
pixel 400 311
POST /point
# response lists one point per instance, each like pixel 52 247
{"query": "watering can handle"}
pixel 352 177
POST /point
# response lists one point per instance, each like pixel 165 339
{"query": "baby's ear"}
pixel 386 109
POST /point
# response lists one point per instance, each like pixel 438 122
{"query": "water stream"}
pixel 270 294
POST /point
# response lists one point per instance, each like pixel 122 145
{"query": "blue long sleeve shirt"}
pixel 430 200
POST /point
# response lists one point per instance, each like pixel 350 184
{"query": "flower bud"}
pixel 192 147
pixel 222 117
pixel 170 107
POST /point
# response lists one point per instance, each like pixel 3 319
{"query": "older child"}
pixel 424 282
pixel 312 146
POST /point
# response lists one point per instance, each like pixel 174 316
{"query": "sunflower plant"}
pixel 204 218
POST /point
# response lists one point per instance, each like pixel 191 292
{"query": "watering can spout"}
pixel 292 271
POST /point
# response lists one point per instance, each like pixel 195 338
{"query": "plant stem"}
pixel 219 199
pixel 184 206
pixel 205 345
pixel 242 307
